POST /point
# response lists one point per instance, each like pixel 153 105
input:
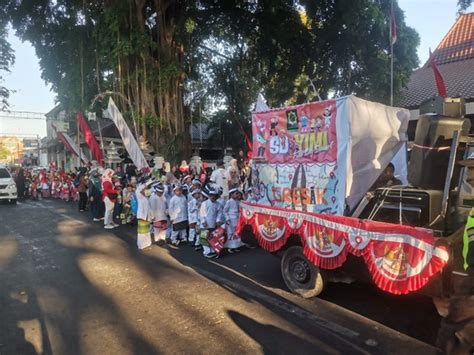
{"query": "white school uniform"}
pixel 159 207
pixel 193 217
pixel 159 212
pixel 209 214
pixel 231 213
pixel 178 210
pixel 143 213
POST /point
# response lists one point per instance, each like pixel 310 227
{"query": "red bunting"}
pixel 401 259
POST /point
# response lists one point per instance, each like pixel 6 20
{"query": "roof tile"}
pixel 454 57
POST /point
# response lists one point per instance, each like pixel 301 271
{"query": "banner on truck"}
pixel 298 134
pixel 338 148
pixel 305 187
pixel 299 146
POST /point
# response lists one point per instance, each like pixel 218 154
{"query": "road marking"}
pixel 33 204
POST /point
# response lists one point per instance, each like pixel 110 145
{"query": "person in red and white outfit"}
pixel 109 196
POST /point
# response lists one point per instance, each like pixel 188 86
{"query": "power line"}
pixel 19 135
pixel 24 115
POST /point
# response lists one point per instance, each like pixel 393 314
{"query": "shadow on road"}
pixel 73 273
pixel 44 286
pixel 273 339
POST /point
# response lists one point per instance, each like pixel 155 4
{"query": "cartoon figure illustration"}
pixel 313 125
pixel 303 122
pixel 318 124
pixel 280 144
pixel 268 178
pixel 273 126
pixel 261 140
pixel 327 117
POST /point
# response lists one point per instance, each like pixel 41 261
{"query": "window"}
pixel 4 174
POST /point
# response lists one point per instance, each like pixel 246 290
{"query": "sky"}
pixel 430 18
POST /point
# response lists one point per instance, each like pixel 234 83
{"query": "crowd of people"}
pixel 175 205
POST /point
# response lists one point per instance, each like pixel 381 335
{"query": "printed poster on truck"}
pixel 299 134
pixel 296 150
pixel 304 187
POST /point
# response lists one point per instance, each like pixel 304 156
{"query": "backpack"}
pixel 77 180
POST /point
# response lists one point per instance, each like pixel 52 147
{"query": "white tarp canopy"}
pixel 376 133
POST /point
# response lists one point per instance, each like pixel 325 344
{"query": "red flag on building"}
pixel 393 26
pixel 69 144
pixel 90 138
pixel 438 77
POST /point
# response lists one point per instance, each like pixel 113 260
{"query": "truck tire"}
pixel 300 275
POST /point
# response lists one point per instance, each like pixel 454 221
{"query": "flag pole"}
pixel 79 142
pixel 391 53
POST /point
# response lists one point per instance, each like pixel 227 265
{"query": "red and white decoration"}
pixel 217 239
pixel 400 258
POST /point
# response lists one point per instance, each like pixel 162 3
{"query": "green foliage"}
pixel 151 121
pixel 350 48
pixel 216 55
pixel 4 152
pixel 464 4
pixel 174 149
pixel 7 58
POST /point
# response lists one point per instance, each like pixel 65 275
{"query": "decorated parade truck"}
pixel 313 167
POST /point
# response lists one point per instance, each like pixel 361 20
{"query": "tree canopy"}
pixel 464 4
pixel 7 58
pixel 170 61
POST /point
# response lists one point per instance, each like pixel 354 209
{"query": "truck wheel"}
pixel 300 275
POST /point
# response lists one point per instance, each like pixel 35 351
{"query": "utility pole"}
pixel 38 160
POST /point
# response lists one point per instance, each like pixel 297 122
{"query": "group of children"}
pixel 59 185
pixel 188 213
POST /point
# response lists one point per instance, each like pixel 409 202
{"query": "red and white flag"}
pixel 393 26
pixel 90 138
pixel 438 77
pixel 69 144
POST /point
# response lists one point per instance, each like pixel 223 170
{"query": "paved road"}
pixel 70 287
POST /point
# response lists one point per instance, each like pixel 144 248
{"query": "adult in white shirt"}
pixel 219 177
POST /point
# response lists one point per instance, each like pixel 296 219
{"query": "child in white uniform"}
pixel 193 215
pixel 178 210
pixel 210 217
pixel 159 212
pixel 231 213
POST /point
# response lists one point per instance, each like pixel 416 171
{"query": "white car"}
pixel 7 186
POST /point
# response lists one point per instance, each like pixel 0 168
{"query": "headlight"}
pixel 11 186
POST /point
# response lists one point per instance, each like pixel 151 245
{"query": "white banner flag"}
pixel 74 147
pixel 128 139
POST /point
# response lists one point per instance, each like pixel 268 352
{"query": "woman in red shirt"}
pixel 109 196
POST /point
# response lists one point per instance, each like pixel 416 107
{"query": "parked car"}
pixel 8 189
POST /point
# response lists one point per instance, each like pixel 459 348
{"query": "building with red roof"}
pixel 454 58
